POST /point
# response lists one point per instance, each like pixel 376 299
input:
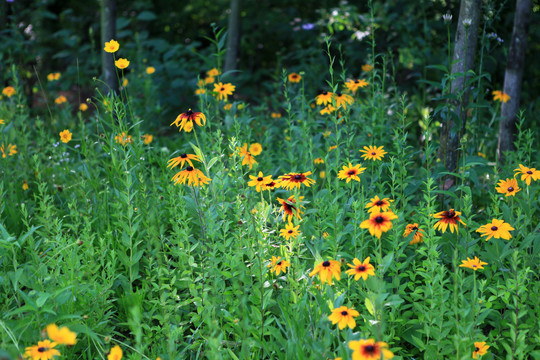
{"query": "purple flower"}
pixel 308 26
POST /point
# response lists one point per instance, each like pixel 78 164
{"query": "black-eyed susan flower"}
pixel 111 46
pixel 278 265
pixel 200 91
pixel 8 150
pixel 361 269
pixel 223 90
pixel 498 95
pixel 294 77
pixel 509 187
pixel 270 186
pixel 65 136
pixel 53 76
pixel 344 316
pixel 350 172
pixel 2 121
pixel 418 233
pixel 180 160
pixel 44 350
pixel 115 353
pixel 474 264
pixel 259 181
pixel 379 222
pixel 324 98
pixel 332 147
pixel 122 63
pixel 290 209
pixel 83 107
pixel 354 85
pixel 275 115
pixel 527 174
pixel 255 149
pixel 497 229
pixel 150 70
pixel 377 204
pixel 367 68
pixel 480 348
pixel 327 270
pixel 327 110
pixel 289 231
pixel 209 80
pixel 295 180
pixel 60 100
pixel 9 91
pixel 343 100
pixel 192 176
pixel 123 139
pixel 318 160
pixel 61 335
pixel 373 152
pixel 370 350
pixel 25 185
pixel 147 139
pixel 213 72
pixel 448 218
pixel 185 120
pixel 247 157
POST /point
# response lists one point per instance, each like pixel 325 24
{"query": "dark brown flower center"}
pixel 362 268
pixel 415 228
pixel 279 263
pixel 344 313
pixel 510 189
pixel 494 228
pixel 42 349
pixel 259 179
pixel 324 93
pixel 189 168
pixel 379 219
pixel 222 89
pixel 374 153
pixel 379 203
pixel 297 177
pixel 290 231
pixel 183 156
pixel 356 81
pixel 338 94
pixel 271 184
pixel 189 112
pixel 370 349
pixel 529 172
pixel 351 172
pixel 326 263
pixel 476 349
pixel 450 214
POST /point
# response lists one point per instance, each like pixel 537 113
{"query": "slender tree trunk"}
pixel 464 52
pixel 108 32
pixel 513 78
pixel 233 37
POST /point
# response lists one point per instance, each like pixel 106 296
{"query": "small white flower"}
pixel 467 22
pixel 447 18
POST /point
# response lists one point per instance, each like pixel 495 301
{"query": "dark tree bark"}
pixel 108 32
pixel 513 78
pixel 464 52
pixel 233 37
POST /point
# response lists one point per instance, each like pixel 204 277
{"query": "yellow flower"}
pixel 2 121
pixel 322 174
pixel 509 187
pixel 185 120
pixel 259 181
pixel 353 85
pixel 193 177
pixel 332 148
pixel 255 149
pixel 278 265
pixel 25 185
pixel 115 353
pixel 350 172
pixel 343 316
pixel 361 269
pixel 295 180
pixel 343 100
pixel 53 76
pixel 318 160
pixel 377 204
pixel 111 46
pixel 247 157
pixel 497 229
pixel 373 152
pixel 65 136
pixel 125 82
pixel 498 95
pixel 294 77
pixel 326 270
pixel 60 100
pixel 223 90
pixel 62 335
pixel 10 150
pixel 275 115
pixel 326 134
pixel 213 72
pixel 527 174
pixel 289 208
pixel 474 264
pixel 370 350
pixel 480 348
pixel 147 139
pixel 83 107
pixel 123 139
pixel 379 222
pixel 367 68
pixel 209 80
pixel 9 91
pixel 324 98
pixel 448 218
pixel 180 160
pixel 150 70
pixel 418 233
pixel 200 91
pixel 44 350
pixel 328 110
pixel 122 63
pixel 289 231
pixel 227 106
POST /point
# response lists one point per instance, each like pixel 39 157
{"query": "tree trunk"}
pixel 233 37
pixel 108 32
pixel 464 52
pixel 513 78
